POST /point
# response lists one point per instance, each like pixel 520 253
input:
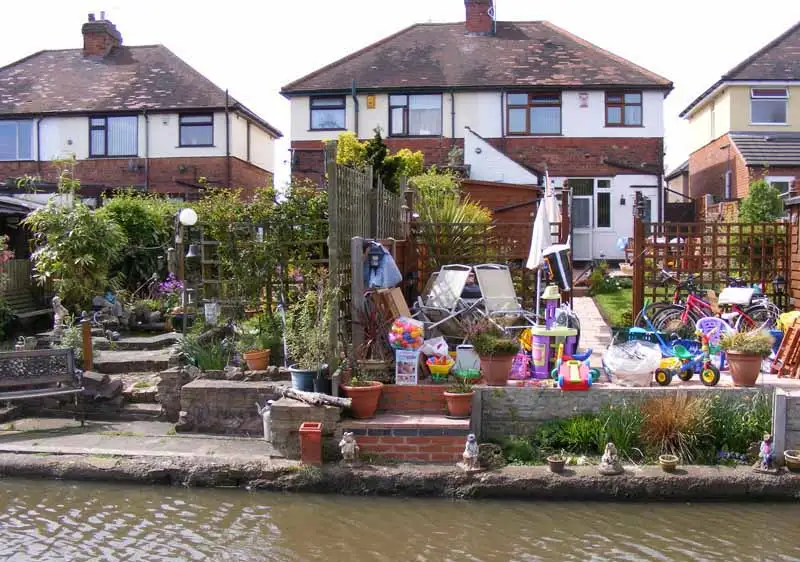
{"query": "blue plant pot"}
pixel 303 379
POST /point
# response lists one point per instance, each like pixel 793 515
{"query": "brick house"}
pixel 746 126
pixel 542 97
pixel 131 116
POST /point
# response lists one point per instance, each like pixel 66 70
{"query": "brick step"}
pixel 410 438
pixel 413 399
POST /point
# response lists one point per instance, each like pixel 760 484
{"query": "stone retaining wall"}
pixel 786 420
pixel 227 407
pixel 286 417
pixel 500 412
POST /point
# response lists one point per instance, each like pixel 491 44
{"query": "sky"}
pixel 253 48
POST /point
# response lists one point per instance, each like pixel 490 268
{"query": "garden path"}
pixel 595 333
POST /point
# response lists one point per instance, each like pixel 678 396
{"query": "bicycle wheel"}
pixel 670 321
pixel 760 316
pixel 652 311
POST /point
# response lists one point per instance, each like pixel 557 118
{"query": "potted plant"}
pixel 496 350
pixel 258 336
pixel 459 399
pixel 307 337
pixel 744 351
pixel 365 395
pixel 375 355
pixel 556 463
pixel 668 462
pixel 792 459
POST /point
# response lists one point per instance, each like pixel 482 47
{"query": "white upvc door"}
pixel 582 227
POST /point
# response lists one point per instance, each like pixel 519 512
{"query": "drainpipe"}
pixel 39 146
pixel 227 141
pixel 452 118
pixel 355 105
pixel 146 150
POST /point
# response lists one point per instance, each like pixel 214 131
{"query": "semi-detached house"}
pixel 131 116
pixel 519 98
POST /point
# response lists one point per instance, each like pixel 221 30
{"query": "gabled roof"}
pixel 777 61
pixel 442 55
pixel 682 169
pixel 768 149
pixel 127 79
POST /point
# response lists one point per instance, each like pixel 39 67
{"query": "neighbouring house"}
pixel 678 184
pixel 131 116
pixel 519 98
pixel 746 126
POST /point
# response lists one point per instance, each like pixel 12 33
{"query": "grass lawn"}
pixel 614 305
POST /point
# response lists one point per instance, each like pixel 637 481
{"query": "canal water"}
pixel 49 521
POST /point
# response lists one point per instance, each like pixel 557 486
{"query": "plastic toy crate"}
pixel 635 334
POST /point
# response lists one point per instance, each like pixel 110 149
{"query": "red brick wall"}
pixel 422 399
pixel 707 168
pixel 478 18
pixel 413 448
pixel 163 172
pixel 565 156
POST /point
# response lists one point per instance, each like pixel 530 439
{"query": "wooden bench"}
pixel 24 305
pixel 38 374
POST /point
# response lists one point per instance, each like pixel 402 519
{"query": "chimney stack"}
pixel 99 36
pixel 480 17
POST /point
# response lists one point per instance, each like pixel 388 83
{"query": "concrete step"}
pixel 107 412
pixel 138 343
pixel 118 362
pixel 139 388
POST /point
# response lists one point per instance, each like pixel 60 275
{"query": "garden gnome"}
pixel 766 454
pixel 60 314
pixel 348 447
pixel 471 454
pixel 610 464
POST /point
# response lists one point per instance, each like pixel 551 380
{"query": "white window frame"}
pixel 789 179
pixel 597 191
pixel 784 97
pixel 33 136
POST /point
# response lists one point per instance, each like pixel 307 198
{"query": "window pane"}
pixel 770 93
pixel 398 100
pixel 614 115
pixel 648 209
pixel 517 99
pixel 516 121
pixel 614 98
pixel 781 186
pixel 97 142
pixel 122 136
pixel 604 184
pixel 327 119
pixel 197 135
pixel 633 114
pixel 582 212
pixel 768 111
pixel 25 140
pixel 8 140
pixel 197 119
pixel 98 122
pixel 581 186
pixel 633 98
pixel 546 99
pixel 425 115
pixel 398 127
pixel 604 209
pixel 546 120
pixel 327 102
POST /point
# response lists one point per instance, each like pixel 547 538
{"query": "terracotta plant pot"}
pixel 668 462
pixel 745 368
pixel 365 399
pixel 459 404
pixel 556 464
pixel 792 459
pixel 496 368
pixel 257 360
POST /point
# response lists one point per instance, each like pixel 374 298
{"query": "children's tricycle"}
pixel 689 365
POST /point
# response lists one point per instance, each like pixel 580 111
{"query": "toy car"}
pixel 574 375
pixel 690 364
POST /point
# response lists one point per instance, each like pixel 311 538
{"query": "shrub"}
pixel 735 423
pixel 762 204
pixel 488 339
pixel 307 326
pixel 675 425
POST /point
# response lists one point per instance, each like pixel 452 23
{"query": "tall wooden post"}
pixel 357 290
pixel 86 333
pixel 638 265
pixel 334 242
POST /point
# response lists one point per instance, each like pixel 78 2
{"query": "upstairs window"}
pixel 415 115
pixel 327 113
pixel 113 136
pixel 768 106
pixel 782 183
pixel 623 109
pixel 534 114
pixel 197 130
pixel 16 140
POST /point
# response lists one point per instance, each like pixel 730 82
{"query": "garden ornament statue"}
pixel 610 463
pixel 471 454
pixel 60 314
pixel 349 448
pixel 766 456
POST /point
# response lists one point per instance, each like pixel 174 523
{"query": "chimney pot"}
pixel 91 16
pixel 102 16
pixel 480 17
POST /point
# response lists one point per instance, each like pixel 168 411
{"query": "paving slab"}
pixel 145 361
pixel 138 343
pixel 595 333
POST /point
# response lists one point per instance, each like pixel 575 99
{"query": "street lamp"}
pixel 188 218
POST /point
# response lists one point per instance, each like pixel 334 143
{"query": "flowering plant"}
pixel 171 290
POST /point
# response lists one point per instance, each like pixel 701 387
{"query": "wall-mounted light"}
pixel 478 150
pixel 622 200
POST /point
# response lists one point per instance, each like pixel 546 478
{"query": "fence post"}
pixel 374 193
pixel 357 290
pixel 86 343
pixel 564 228
pixel 638 266
pixel 333 244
